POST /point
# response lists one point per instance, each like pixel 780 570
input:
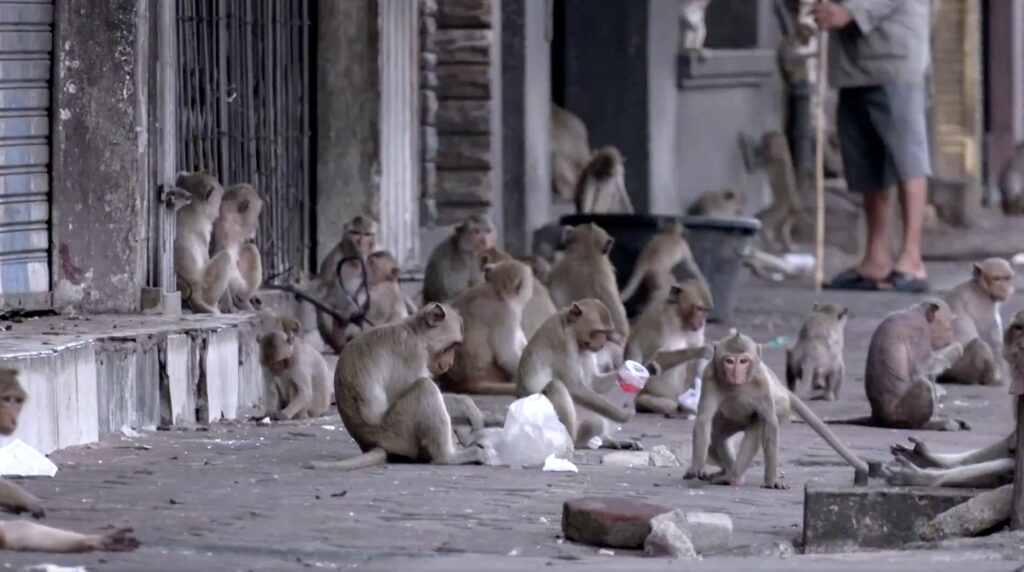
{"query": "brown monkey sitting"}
pixel 455 264
pixel 657 261
pixel 487 360
pixel 342 285
pixel 560 362
pixel 234 231
pixel 741 393
pixel 908 350
pixel 977 324
pixel 387 398
pixel 301 379
pixel 816 359
pixel 22 535
pixel 202 280
pixel 539 307
pixel 671 333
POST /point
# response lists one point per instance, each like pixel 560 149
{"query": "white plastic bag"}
pixel 19 459
pixel 532 433
pixel 691 397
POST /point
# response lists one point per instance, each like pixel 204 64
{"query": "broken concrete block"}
pixel 669 537
pixel 973 517
pixel 709 531
pixel 845 518
pixel 627 459
pixel 662 457
pixel 617 522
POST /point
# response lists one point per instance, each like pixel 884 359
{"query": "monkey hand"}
pixel 120 540
pixel 905 473
pixel 707 352
pixel 33 506
pixel 652 368
pixel 919 455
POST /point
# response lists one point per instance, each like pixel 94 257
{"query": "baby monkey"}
pixel 816 359
pixel 301 379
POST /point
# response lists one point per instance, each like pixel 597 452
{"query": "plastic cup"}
pixel 632 377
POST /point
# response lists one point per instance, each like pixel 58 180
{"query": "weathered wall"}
pixel 98 255
pixel 347 120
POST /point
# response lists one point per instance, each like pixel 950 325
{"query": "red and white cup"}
pixel 632 377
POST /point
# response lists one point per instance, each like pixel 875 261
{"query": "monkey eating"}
pixel 977 324
pixel 908 350
pixel 560 361
pixel 300 386
pixel 670 332
pixel 387 397
pixel 454 265
pixel 488 359
pixel 601 187
pixel 816 359
pixel 740 393
pixel 202 279
pixel 24 535
pixel 234 231
pixel 658 260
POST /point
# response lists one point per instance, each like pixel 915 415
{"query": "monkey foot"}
pixel 701 475
pixel 724 479
pixel 120 540
pixel 778 484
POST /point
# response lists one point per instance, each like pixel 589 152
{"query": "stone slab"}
pixel 615 522
pixel 847 518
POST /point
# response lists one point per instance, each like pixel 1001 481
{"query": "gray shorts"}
pixel 883 135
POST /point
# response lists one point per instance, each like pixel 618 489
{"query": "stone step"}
pixel 87 377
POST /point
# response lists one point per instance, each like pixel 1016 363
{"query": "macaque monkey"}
pixel 202 280
pixel 387 303
pixel 454 265
pixel 1011 182
pixel 977 324
pixel 23 535
pixel 601 187
pixel 540 307
pixel 693 29
pixel 908 350
pixel 723 203
pixel 586 272
pixel 671 332
pixel 234 231
pixel 816 359
pixel 387 398
pixel 560 362
pixel 488 359
pixel 989 466
pixel 660 256
pixel 570 151
pixel 343 282
pixel 786 208
pixel 740 393
pixel 300 386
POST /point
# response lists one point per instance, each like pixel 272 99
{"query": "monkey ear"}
pixel 844 312
pixel 930 309
pixel 434 315
pixel 568 234
pixel 575 311
pixel 760 350
pixel 977 271
pixel 673 293
pixel 485 262
pixel 608 244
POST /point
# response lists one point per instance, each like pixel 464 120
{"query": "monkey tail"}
pixel 370 458
pixel 631 287
pixel 820 428
pixel 320 305
pixel 862 421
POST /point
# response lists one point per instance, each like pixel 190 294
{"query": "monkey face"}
pixel 995 278
pixel 382 267
pixel 482 238
pixel 1013 337
pixel 12 398
pixel 362 240
pixel 737 368
pixel 693 303
pixel 280 366
pixel 443 360
pixel 591 322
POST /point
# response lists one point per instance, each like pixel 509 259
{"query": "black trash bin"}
pixel 717 244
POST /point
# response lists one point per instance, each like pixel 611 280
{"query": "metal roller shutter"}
pixel 26 46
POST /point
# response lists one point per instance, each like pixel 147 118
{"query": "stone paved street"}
pixel 235 497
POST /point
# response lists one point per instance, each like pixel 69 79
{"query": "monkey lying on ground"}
pixel 660 256
pixel 454 265
pixel 23 535
pixel 201 279
pixel 539 307
pixel 740 393
pixel 816 359
pixel 977 325
pixel 601 187
pixel 560 362
pixel 387 398
pixel 570 151
pixel 908 350
pixel 300 385
pixel 586 272
pixel 989 466
pixel 488 359
pixel 671 332
pixel 233 231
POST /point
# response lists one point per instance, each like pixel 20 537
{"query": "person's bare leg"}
pixel 913 202
pixel 877 262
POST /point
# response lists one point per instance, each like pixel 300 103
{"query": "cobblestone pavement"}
pixel 235 498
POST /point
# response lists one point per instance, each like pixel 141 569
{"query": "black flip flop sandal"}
pixel 850 279
pixel 903 282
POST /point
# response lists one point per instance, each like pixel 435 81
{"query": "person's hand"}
pixel 830 15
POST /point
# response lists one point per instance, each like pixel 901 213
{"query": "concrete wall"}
pixel 99 257
pixel 662 50
pixel 347 118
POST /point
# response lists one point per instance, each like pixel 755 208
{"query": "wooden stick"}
pixel 819 160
